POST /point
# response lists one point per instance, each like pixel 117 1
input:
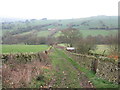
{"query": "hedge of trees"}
pixel 71 36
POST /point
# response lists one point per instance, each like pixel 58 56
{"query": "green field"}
pixel 23 48
pixel 83 24
pixel 100 49
pixel 43 33
pixel 86 33
pixel 25 33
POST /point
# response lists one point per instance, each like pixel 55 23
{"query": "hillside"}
pixel 44 27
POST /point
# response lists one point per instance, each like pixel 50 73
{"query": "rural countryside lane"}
pixel 66 75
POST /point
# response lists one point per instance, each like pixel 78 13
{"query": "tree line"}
pixel 74 38
pixel 70 36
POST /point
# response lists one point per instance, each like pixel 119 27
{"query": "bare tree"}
pixel 70 36
pixel 85 45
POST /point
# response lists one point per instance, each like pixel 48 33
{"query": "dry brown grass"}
pixel 19 75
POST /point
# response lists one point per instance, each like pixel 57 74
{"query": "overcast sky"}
pixel 57 9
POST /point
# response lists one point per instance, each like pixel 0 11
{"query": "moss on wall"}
pixel 104 67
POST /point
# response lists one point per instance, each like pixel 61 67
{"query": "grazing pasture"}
pixel 43 33
pixel 86 33
pixel 101 48
pixel 23 48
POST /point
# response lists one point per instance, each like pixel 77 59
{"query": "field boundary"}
pixel 105 68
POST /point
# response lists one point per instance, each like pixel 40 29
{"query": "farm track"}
pixel 66 75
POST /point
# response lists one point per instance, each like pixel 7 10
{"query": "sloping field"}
pixel 86 33
pixel 101 48
pixel 43 33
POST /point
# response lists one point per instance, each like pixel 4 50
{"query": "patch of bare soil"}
pixel 46 67
pixel 60 47
pixel 84 81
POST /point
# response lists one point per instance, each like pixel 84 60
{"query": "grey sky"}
pixel 57 9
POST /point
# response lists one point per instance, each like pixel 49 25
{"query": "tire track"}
pixel 84 81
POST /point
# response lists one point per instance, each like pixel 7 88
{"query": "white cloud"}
pixel 57 8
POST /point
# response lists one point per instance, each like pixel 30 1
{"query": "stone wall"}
pixel 104 67
pixel 24 57
pixel 107 70
pixel 19 69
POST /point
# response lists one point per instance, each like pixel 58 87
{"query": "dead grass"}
pixel 20 75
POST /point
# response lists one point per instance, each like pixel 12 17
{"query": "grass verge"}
pixel 97 82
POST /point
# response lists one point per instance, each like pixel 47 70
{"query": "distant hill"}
pixel 8 19
pixel 18 26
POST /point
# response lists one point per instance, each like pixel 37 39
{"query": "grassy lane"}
pixel 65 75
pixel 61 75
pixel 97 82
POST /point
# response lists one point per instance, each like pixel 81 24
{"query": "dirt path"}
pixel 65 74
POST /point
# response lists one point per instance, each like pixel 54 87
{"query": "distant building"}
pixel 51 29
pixel 70 49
